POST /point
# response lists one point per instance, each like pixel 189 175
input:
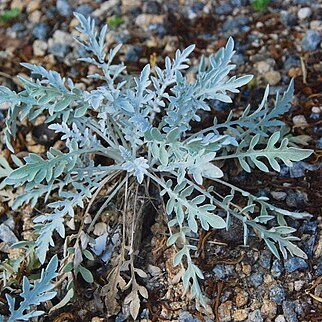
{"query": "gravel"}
pixel 41 31
pixel 277 294
pixel 311 40
pixel 295 264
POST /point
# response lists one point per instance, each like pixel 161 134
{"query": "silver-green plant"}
pixel 143 125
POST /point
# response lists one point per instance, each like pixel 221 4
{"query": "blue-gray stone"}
pixel 265 259
pixel 318 270
pixel 223 271
pixel 292 61
pixel 18 27
pixel 59 50
pixel 238 59
pixel 288 19
pixel 295 198
pixel 40 31
pixel 289 311
pixel 197 7
pixel 238 22
pixel 308 246
pixel 158 28
pixel 64 8
pixel 256 279
pixel 277 294
pixel 187 317
pixel 319 143
pixel 277 268
pixel 239 3
pixel 133 54
pixel 295 264
pixel 223 9
pixel 255 316
pixel 311 40
pixel 152 7
pixel 84 9
pixel 309 227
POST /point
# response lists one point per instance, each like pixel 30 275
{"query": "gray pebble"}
pixel 265 259
pixel 187 317
pixel 277 294
pixel 289 311
pixel 295 264
pixel 256 279
pixel 295 198
pixel 59 50
pixel 277 268
pixel 239 23
pixel 255 316
pixel 311 40
pixel 223 9
pixel 152 7
pixel 318 270
pixel 84 9
pixel 40 31
pixel 64 8
pixel 223 271
pixel 292 61
pixel 133 54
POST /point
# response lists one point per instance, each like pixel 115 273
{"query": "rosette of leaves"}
pixel 143 126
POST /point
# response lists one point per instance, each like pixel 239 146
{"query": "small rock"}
pixel 223 9
pixel 289 311
pixel 84 9
pixel 288 19
pixel 311 40
pixel 273 77
pixel 240 315
pixel 59 50
pixel 277 268
pixel 298 285
pixel 133 53
pixel 304 13
pixel 144 20
pixel 64 8
pixel 277 294
pixel 39 47
pixel 256 279
pixel 309 227
pixel 255 316
pixel 187 317
pixel 6 235
pixel 224 311
pixel 299 121
pixel 295 264
pixel 318 269
pixel 241 298
pixel 268 309
pixel 247 269
pixel 279 195
pixel 152 7
pixel 292 61
pixel 280 318
pixel 35 16
pixel 238 23
pixel 40 31
pixel 33 6
pixel 265 259
pixel 263 67
pixel 296 198
pixel 223 271
pixel 17 27
pixel 238 59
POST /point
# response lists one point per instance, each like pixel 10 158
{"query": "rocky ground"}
pixel 277 44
